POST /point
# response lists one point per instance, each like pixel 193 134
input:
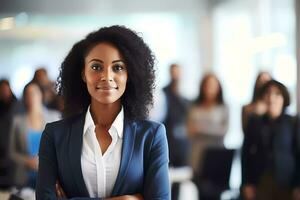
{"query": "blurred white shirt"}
pixel 100 171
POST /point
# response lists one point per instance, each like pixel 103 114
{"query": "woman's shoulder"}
pixel 150 132
pixel 148 123
pixel 289 118
pixel 63 124
pixel 149 129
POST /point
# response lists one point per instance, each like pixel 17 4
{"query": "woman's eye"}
pixel 118 68
pixel 96 67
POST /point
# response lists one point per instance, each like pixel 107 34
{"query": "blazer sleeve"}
pixel 48 170
pixel 157 185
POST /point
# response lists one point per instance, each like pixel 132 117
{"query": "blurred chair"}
pixel 215 173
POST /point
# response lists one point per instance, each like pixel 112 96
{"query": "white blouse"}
pixel 100 171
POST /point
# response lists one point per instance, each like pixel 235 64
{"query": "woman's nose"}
pixel 106 75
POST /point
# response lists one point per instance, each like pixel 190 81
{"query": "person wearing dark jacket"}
pixel 268 152
pixel 177 108
pixel 9 105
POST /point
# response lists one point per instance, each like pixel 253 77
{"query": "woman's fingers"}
pixel 59 191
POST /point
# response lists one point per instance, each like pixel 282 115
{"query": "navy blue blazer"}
pixel 143 168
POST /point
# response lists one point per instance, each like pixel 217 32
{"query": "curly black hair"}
pixel 139 60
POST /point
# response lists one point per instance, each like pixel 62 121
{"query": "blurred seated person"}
pixel 175 119
pixel 50 98
pixel 9 105
pixel 257 106
pixel 176 115
pixel 25 135
pixel 268 156
pixel 207 121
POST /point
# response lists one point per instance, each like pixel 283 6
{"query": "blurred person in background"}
pixel 257 106
pixel 9 106
pixel 177 107
pixel 25 135
pixel 50 98
pixel 268 151
pixel 207 121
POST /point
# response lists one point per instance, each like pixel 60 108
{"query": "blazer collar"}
pixel 127 151
pixel 75 147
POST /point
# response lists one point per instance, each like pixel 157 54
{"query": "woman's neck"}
pixel 104 114
pixel 208 103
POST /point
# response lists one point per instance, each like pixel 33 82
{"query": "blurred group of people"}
pixel 270 150
pixel 193 126
pixel 21 123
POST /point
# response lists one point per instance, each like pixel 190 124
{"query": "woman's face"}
pixel 33 96
pixel 211 88
pixel 105 74
pixel 274 101
pixel 5 92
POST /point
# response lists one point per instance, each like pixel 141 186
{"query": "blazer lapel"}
pixel 127 150
pixel 75 147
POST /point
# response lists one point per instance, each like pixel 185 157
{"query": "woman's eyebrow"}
pixel 95 59
pixel 98 60
pixel 118 61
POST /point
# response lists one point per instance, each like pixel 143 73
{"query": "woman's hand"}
pixel 249 192
pixel 127 197
pixel 296 194
pixel 61 194
pixel 59 191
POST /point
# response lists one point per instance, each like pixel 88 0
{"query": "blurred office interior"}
pixel 235 39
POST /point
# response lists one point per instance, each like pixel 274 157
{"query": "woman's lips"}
pixel 106 88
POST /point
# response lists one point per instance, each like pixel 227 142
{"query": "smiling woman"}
pixel 105 74
pixel 107 81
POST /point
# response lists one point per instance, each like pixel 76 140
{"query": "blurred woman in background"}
pixel 26 133
pixel 8 107
pixel 257 106
pixel 268 157
pixel 208 117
